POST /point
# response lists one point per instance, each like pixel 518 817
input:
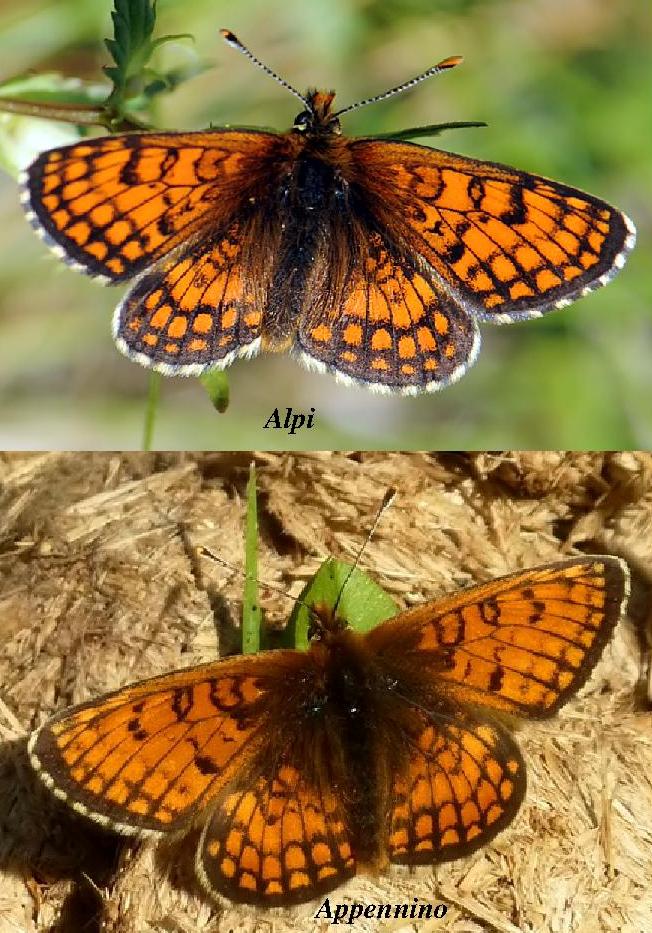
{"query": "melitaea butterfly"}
pixel 305 767
pixel 369 258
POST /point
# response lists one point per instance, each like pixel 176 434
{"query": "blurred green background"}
pixel 565 87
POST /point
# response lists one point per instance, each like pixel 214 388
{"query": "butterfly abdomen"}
pixel 353 722
pixel 312 191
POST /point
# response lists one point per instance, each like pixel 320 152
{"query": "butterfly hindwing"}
pixel 462 782
pixel 195 310
pixel 278 840
pixel 389 326
pixel 509 245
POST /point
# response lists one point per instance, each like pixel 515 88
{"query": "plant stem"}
pixel 153 395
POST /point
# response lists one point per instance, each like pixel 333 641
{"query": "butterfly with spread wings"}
pixel 369 258
pixel 306 767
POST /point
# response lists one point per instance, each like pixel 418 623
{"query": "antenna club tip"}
pixel 451 61
pixel 229 37
pixel 388 497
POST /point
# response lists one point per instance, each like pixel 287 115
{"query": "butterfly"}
pixel 369 258
pixel 306 767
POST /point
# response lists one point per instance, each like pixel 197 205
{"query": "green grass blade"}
pixel 251 614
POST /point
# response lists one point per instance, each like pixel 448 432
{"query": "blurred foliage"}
pixel 564 87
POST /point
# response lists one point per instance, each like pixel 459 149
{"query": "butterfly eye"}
pixel 303 120
pixel 333 126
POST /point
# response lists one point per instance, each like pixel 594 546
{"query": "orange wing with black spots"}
pixel 391 326
pixel 147 757
pixel 307 766
pixel 464 781
pixel 523 643
pixel 112 206
pixel 371 259
pixel 195 310
pixel 508 245
pixel 277 841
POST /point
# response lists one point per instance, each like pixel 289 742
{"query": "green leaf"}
pixel 175 37
pixel 53 88
pixel 216 383
pixel 251 613
pixel 131 45
pixel 433 129
pixel 362 603
pixel 131 48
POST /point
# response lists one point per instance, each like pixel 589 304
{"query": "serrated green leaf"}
pixel 131 45
pixel 362 603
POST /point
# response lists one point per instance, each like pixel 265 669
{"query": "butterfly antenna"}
pixel 440 66
pixel 205 552
pixel 388 498
pixel 231 39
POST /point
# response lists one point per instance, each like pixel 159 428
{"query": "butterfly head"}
pixel 325 624
pixel 318 118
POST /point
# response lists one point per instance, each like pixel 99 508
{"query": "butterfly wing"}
pixel 463 780
pixel 147 757
pixel 111 206
pixel 276 841
pixel 389 326
pixel 508 245
pixel 198 309
pixel 523 643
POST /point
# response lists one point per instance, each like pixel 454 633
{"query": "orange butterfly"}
pixel 306 767
pixel 372 259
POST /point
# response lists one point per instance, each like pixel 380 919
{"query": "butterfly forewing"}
pixel 523 643
pixel 114 205
pixel 149 756
pixel 510 245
